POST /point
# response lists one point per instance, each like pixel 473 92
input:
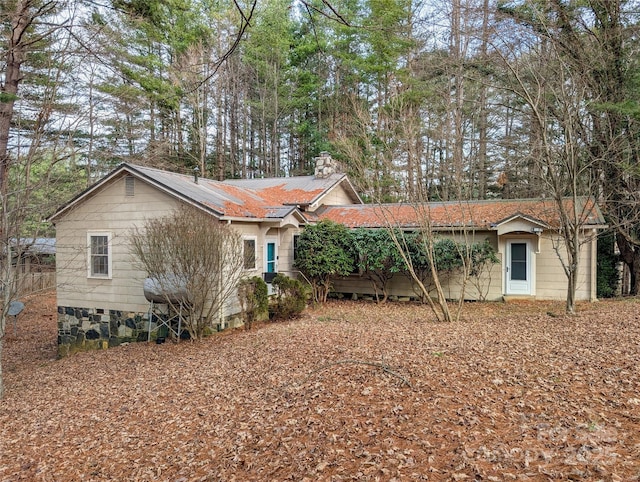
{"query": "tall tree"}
pixel 34 138
pixel 593 40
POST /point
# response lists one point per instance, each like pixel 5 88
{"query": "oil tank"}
pixel 168 289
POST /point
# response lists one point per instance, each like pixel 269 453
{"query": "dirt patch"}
pixel 352 391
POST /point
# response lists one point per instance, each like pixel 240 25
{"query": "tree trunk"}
pixel 16 50
pixel 1 379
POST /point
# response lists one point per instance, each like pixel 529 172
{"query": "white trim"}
pixel 519 287
pixel 267 240
pixel 90 274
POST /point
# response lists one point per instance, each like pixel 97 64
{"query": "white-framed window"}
pixel 249 250
pixel 99 255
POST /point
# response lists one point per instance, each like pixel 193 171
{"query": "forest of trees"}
pixel 431 99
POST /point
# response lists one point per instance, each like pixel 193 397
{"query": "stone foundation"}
pixel 84 329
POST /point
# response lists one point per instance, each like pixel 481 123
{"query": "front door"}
pixel 271 255
pixel 518 267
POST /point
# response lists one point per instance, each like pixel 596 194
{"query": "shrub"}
pixel 608 276
pixel 291 297
pixel 194 262
pixel 325 250
pixel 254 300
pixel 378 258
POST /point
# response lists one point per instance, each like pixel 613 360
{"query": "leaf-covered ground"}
pixel 352 391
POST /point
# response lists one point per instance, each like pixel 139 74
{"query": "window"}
pixel 249 253
pixel 296 240
pixel 99 255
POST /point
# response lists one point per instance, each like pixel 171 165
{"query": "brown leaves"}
pixel 509 393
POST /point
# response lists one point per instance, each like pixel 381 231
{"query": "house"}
pixel 31 255
pixel 524 233
pixel 100 295
pixel 33 260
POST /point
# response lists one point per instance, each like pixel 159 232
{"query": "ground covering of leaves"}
pixel 352 391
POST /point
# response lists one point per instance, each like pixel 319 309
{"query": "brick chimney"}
pixel 326 165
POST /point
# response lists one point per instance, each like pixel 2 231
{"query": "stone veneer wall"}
pixel 82 329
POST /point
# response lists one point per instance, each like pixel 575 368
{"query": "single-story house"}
pixel 100 291
pixel 523 232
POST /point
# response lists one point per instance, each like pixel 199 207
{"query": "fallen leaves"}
pixel 352 391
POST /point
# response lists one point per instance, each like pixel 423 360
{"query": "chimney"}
pixel 196 173
pixel 325 165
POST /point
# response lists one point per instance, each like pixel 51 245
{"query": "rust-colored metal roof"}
pixel 486 214
pixel 272 198
pixel 276 198
pixel 298 190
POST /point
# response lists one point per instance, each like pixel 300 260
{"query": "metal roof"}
pixel 482 214
pixel 269 198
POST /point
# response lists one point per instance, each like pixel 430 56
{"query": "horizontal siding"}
pixel 285 252
pixel 401 285
pixel 108 210
pixel 338 196
pixel 551 278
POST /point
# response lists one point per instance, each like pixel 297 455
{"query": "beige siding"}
pixel 401 286
pixel 285 253
pixel 338 196
pixel 108 211
pixel 488 283
pixel 284 241
pixel 551 281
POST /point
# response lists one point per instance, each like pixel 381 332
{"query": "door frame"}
pixel 519 287
pixel 267 241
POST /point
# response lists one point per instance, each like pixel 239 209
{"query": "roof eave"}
pixel 274 220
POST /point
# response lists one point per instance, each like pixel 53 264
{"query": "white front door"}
pixel 518 267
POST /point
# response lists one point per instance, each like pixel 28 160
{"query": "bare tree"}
pixel 34 135
pixel 555 100
pixel 193 255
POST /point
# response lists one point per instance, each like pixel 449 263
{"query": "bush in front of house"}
pixel 325 250
pixel 291 297
pixel 254 300
pixel 378 258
